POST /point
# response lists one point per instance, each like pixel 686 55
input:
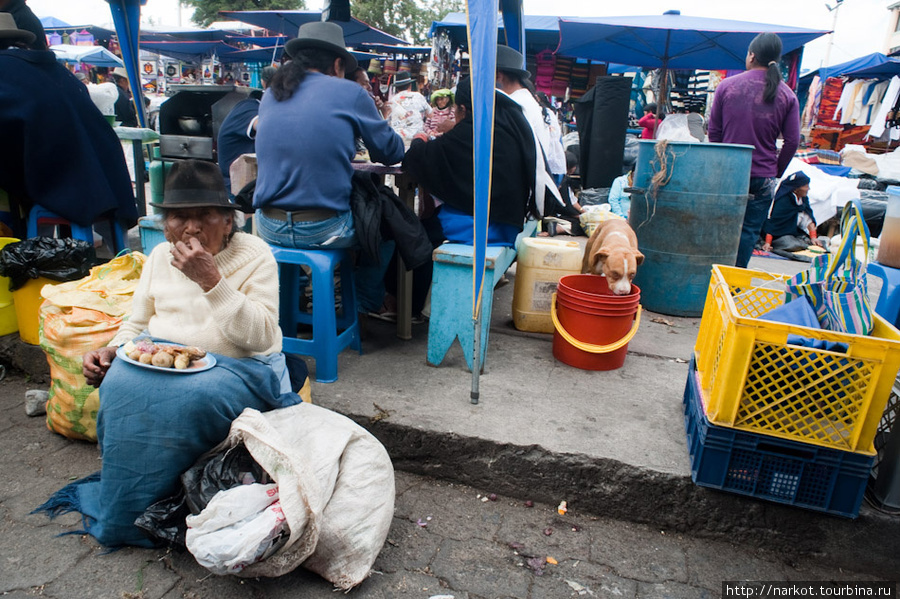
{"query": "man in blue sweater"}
pixel 309 119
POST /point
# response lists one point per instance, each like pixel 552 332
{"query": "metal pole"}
pixel 476 357
pixel 834 11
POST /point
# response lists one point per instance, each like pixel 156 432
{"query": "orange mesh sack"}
pixel 78 317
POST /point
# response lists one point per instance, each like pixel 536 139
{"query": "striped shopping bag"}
pixel 835 285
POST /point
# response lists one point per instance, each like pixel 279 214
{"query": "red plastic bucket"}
pixel 592 325
pixel 587 287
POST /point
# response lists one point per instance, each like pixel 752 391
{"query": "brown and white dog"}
pixel 612 250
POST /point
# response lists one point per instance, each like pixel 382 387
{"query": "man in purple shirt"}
pixel 755 108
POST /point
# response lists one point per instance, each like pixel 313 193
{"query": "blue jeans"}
pixel 332 234
pixel 763 190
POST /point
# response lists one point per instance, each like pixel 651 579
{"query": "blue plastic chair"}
pixel 38 215
pixel 888 306
pixel 331 333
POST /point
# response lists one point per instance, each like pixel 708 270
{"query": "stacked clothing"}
pixel 562 73
pixel 579 82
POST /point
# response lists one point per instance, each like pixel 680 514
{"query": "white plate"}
pixel 196 366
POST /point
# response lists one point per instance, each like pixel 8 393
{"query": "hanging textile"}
pixel 546 67
pixel 831 96
pixel 811 103
pixel 879 125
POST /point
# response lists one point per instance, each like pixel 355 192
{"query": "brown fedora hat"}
pixel 9 31
pixel 195 184
pixel 324 35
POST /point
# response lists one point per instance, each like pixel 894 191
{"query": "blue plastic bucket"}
pixel 691 222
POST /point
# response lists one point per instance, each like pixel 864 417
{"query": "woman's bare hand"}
pixel 196 263
pixel 95 364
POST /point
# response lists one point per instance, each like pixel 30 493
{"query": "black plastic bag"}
pixel 57 259
pixel 218 472
pixel 165 520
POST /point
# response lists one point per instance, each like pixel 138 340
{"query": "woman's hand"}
pixel 95 364
pixel 196 263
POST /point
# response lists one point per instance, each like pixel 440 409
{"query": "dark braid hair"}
pixel 766 49
pixel 288 78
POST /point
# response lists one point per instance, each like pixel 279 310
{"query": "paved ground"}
pixel 610 443
pixel 445 541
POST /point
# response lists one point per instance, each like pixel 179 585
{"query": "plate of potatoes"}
pixel 168 357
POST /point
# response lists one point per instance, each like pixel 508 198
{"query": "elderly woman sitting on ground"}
pixel 210 287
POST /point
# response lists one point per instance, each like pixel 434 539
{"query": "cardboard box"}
pixel 243 170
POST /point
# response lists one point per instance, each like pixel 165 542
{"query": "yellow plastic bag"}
pixel 78 317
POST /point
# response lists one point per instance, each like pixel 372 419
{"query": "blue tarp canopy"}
pixel 260 55
pixel 287 22
pixel 884 70
pixel 262 42
pixel 863 62
pixel 273 54
pixel 189 51
pixel 93 55
pixel 184 34
pixel 672 40
pixel 48 22
pixel 395 49
pixel 540 30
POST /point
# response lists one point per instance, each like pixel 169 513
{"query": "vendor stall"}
pixel 849 104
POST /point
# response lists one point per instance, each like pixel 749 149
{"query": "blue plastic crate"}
pixel 800 474
pixel 151 228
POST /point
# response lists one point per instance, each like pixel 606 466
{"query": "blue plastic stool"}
pixel 888 306
pixel 38 215
pixel 331 334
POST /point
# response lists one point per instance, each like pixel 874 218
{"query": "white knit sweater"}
pixel 237 318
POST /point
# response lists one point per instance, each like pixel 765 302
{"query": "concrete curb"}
pixel 612 489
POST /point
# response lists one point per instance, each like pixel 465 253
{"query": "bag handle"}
pixel 588 347
pixel 852 224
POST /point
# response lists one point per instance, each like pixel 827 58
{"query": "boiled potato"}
pixel 135 355
pixel 163 359
pixel 182 361
pixel 146 358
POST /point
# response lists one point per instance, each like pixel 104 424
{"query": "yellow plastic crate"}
pixel 754 381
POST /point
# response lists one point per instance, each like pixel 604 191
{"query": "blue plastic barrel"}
pixel 691 221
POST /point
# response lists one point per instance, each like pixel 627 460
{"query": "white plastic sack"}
pixel 888 165
pixel 104 96
pixel 675 128
pixel 336 488
pixel 240 526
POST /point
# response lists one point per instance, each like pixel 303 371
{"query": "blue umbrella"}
pixel 671 40
pixel 126 15
pixel 482 34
